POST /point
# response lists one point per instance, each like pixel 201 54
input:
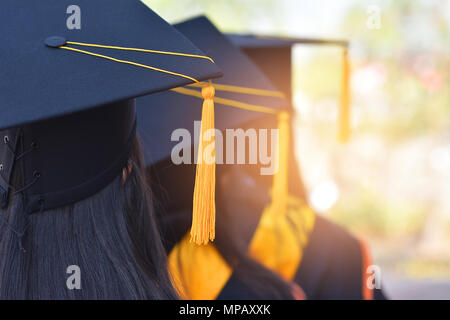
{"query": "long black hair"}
pixel 112 237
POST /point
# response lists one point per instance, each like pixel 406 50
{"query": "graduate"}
pixel 76 221
pixel 208 263
pixel 332 263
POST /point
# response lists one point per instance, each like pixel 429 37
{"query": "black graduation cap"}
pixel 274 56
pixel 67 96
pixel 242 94
pixel 181 110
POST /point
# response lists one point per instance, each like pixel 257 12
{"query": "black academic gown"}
pixel 332 264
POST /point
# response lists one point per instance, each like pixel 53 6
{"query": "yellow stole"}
pixel 279 241
pixel 200 272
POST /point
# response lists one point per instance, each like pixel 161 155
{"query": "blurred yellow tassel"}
pixel 280 179
pixel 204 207
pixel 344 112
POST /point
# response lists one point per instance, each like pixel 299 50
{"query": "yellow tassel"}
pixel 344 113
pixel 204 207
pixel 280 179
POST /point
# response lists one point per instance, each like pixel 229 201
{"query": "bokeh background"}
pixel 391 184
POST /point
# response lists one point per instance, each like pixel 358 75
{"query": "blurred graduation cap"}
pixel 274 56
pixel 278 241
pixel 67 96
pixel 242 94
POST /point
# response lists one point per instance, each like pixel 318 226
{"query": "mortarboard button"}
pixel 55 41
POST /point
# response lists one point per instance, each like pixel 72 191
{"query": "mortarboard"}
pixel 67 96
pixel 273 56
pixel 242 94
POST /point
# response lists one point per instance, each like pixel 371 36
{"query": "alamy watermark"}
pixel 74 280
pixel 236 141
pixel 73 22
pixel 374 277
pixel 373 21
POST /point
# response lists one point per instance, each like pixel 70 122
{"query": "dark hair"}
pixel 111 236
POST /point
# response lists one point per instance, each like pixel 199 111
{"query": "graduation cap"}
pixel 273 56
pixel 242 94
pixel 67 96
